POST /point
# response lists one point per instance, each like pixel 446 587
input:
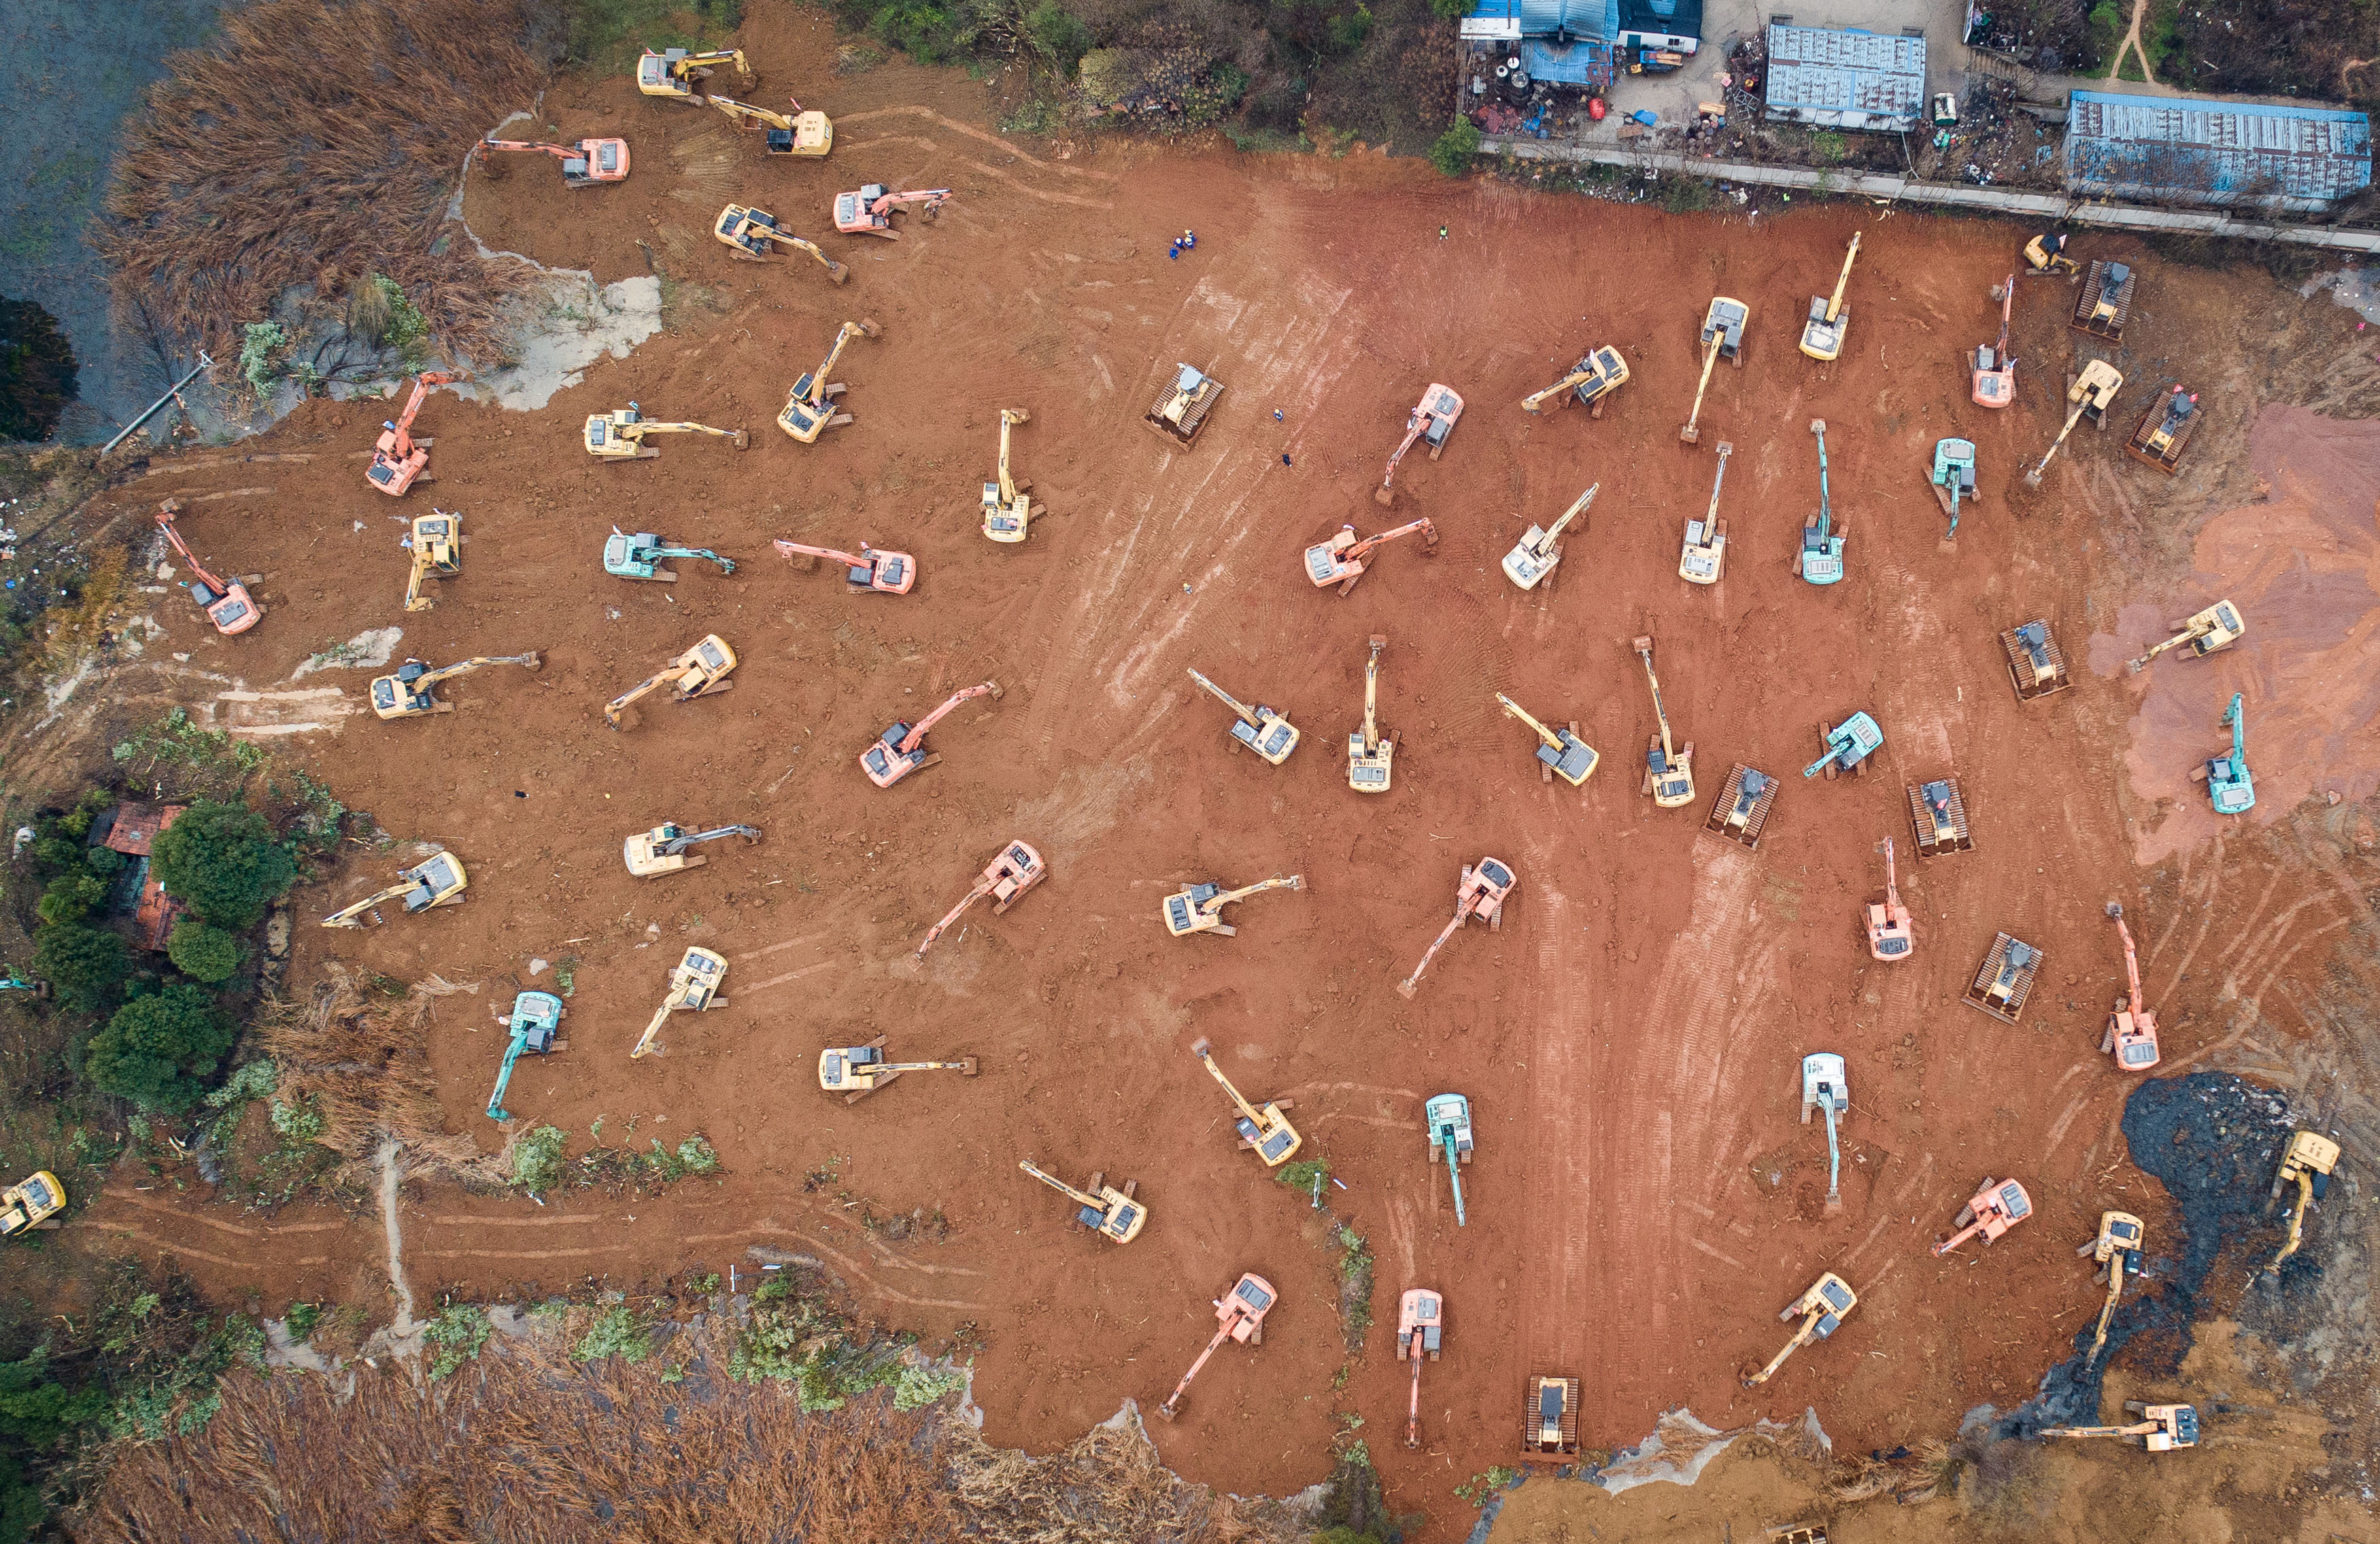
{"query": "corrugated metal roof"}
pixel 1590 19
pixel 2192 150
pixel 1845 80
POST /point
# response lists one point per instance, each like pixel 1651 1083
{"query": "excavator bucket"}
pixel 1937 816
pixel 1741 808
pixel 2037 666
pixel 2005 978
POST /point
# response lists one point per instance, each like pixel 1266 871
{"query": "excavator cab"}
pixel 437 547
pixel 2036 667
pixel 1182 406
pixel 2005 978
pixel 437 881
pixel 672 72
pixel 31 1202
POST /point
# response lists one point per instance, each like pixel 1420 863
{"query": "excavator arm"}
pixel 565 152
pixel 1217 902
pixel 1372 697
pixel 1560 389
pixel 1365 548
pixel 1248 715
pixel 669 676
pixel 1463 910
pixel 1644 653
pixel 413 404
pixel 1414 428
pixel 1008 417
pixel 639 430
pixel 464 668
pixel 745 115
pixel 166 523
pixel 1835 304
pixel 2131 959
pixel 1514 710
pixel 351 916
pixel 677 845
pixel 789 550
pixel 1054 1182
pixel 981 888
pixel 916 737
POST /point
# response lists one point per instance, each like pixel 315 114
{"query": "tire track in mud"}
pixel 1562 1118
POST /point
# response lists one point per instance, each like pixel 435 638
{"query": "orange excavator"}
pixel 874 570
pixel 1889 934
pixel 901 749
pixel 2131 1031
pixel 1017 870
pixel 869 211
pixel 1241 1313
pixel 399 460
pixel 1480 892
pixel 1339 561
pixel 1421 1314
pixel 584 165
pixel 1995 375
pixel 1998 1206
pixel 1432 419
pixel 226 604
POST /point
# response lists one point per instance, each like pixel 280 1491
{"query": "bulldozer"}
pixel 1255 727
pixel 1937 818
pixel 2308 1163
pixel 693 988
pixel 588 163
pixel 870 571
pixel 1182 406
pixel 1702 558
pixel 1823 1307
pixel 1266 1131
pixel 226 603
pixel 2089 396
pixel 1432 419
pixel 436 880
pixel 1199 908
pixel 805 134
pixel 1005 879
pixel 640 556
pixel 1559 751
pixel 663 849
pixel 672 72
pixel 1953 479
pixel 437 547
pixel 1742 806
pixel 1008 506
pixel 2164 431
pixel 2161 1427
pixel 2131 1031
pixel 1241 1315
pixel 1480 892
pixel 1822 335
pixel 411 692
pixel 1819 559
pixel 2232 790
pixel 2005 978
pixel 857 1071
pixel 753 236
pixel 810 408
pixel 1995 374
pixel 1550 1419
pixel 1371 756
pixel 2218 626
pixel 1722 333
pixel 1448 1120
pixel 2118 1252
pixel 1890 933
pixel 868 210
pixel 701 671
pixel 1340 560
pixel 1594 378
pixel 620 435
pixel 1997 1206
pixel 1825 1085
pixel 1539 553
pixel 398 459
pixel 1848 745
pixel 1668 771
pixel 2036 667
pixel 1421 1317
pixel 1111 1213
pixel 2045 255
pixel 33 1202
pixel 901 749
pixel 535 1026
pixel 2106 303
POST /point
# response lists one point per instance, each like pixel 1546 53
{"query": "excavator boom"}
pixel 1294 882
pixel 1215 1072
pixel 1645 651
pixel 1372 696
pixel 1054 1182
pixel 1835 304
pixel 677 845
pixel 916 737
pixel 1242 710
pixel 1553 741
pixel 165 524
pixel 981 888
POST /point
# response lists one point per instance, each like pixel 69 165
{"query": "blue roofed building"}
pixel 2197 151
pixel 1580 43
pixel 1847 78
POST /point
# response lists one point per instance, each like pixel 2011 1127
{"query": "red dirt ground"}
pixel 1629 1041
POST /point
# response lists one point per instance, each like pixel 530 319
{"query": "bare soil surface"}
pixel 1643 1198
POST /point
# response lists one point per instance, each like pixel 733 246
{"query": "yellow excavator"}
pixel 1560 752
pixel 857 1071
pixel 1199 909
pixel 620 436
pixel 1370 754
pixel 1596 377
pixel 411 691
pixel 1111 1213
pixel 753 236
pixel 2308 1163
pixel 802 134
pixel 2089 396
pixel 437 547
pixel 699 672
pixel 1822 335
pixel 2161 1427
pixel 33 1202
pixel 1822 1309
pixel 1267 1130
pixel 1668 771
pixel 693 987
pixel 809 407
pixel 437 881
pixel 2045 254
pixel 1535 557
pixel 1008 506
pixel 662 850
pixel 1722 333
pixel 1254 726
pixel 672 72
pixel 2118 1250
pixel 2218 626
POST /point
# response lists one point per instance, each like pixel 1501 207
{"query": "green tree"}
pixel 1450 10
pixel 158 1051
pixel 1455 148
pixel 70 897
pixel 83 965
pixel 1059 35
pixel 220 859
pixel 203 951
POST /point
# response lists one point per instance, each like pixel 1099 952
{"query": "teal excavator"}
pixel 536 1018
pixel 2227 779
pixel 1449 1116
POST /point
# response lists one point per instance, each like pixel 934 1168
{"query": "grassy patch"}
pixel 454 1337
pixel 1354 1284
pixel 1479 1487
pixel 616 1332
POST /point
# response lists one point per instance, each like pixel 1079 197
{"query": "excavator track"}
pixel 2022 675
pixel 1931 841
pixel 2010 1007
pixel 2088 301
pixel 1720 821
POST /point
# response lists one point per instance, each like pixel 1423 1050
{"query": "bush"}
pixel 615 1333
pixel 70 897
pixel 203 951
pixel 1450 10
pixel 105 862
pixel 158 1051
pixel 455 1336
pixel 918 28
pixel 264 344
pixel 1060 35
pixel 222 862
pixel 1453 150
pixel 537 1159
pixel 83 965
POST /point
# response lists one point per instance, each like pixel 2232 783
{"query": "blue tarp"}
pixel 2194 150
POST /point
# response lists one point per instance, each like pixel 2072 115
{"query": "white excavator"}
pixel 1008 506
pixel 1533 560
